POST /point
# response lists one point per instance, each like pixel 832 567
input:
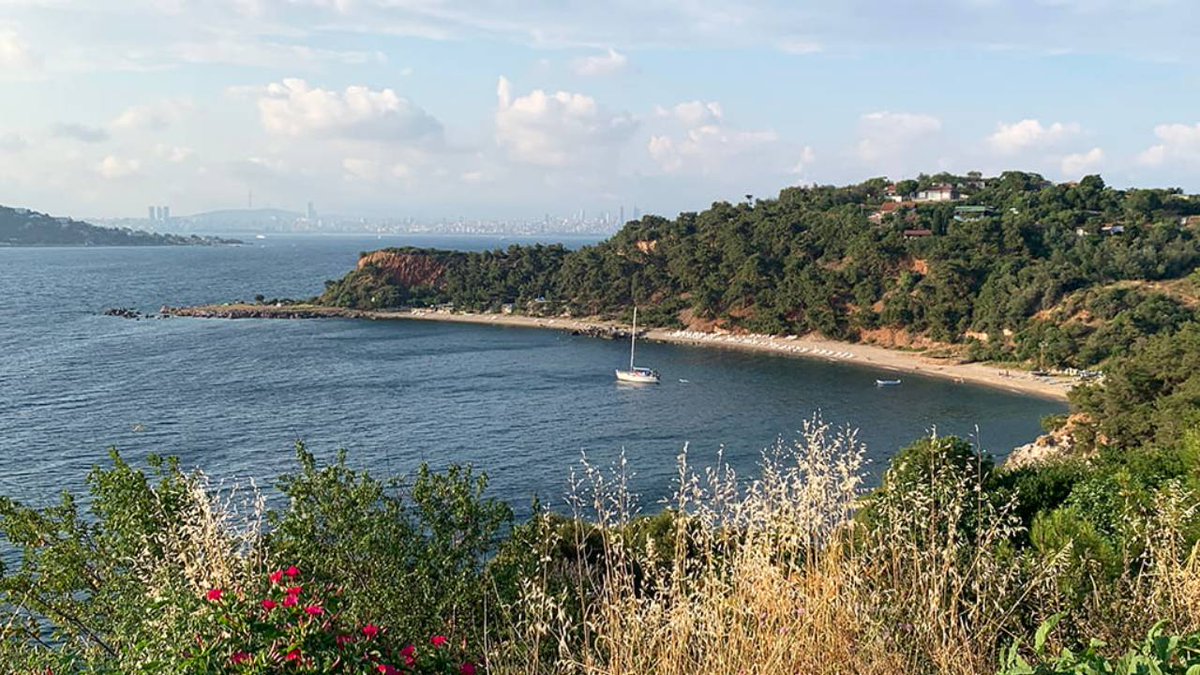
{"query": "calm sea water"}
pixel 522 404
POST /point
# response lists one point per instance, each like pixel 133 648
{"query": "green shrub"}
pixel 1160 654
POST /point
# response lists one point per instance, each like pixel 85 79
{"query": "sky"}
pixel 436 109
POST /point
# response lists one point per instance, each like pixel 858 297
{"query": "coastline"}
pixel 813 347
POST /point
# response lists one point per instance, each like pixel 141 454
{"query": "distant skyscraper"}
pixel 622 221
pixel 312 213
pixel 152 212
pixel 166 213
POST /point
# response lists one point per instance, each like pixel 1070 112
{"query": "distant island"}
pixel 24 227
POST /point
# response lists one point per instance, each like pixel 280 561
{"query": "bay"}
pixel 523 405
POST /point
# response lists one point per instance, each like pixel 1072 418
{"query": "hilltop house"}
pixel 1190 221
pixel 891 207
pixel 938 193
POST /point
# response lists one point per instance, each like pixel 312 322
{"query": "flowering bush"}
pixel 289 627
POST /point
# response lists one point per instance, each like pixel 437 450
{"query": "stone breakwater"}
pixel 266 312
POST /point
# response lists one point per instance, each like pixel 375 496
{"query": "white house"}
pixel 938 193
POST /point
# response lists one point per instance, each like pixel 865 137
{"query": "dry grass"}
pixel 782 575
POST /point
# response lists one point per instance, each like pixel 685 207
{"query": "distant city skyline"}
pixel 484 110
pixel 227 221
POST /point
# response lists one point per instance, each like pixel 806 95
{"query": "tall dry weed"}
pixel 781 574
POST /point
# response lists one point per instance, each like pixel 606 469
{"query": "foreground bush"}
pixel 942 569
pixel 163 573
pixel 1160 654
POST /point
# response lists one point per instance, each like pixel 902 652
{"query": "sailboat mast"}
pixel 633 337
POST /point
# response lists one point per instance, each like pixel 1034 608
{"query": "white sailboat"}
pixel 635 374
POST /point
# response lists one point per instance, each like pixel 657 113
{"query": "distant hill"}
pixel 23 227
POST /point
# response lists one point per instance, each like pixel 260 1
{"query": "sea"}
pixel 528 407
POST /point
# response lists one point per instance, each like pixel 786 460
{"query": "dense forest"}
pixel 23 227
pixel 1008 268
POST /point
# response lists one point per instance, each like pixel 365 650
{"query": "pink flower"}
pixel 291 601
pixel 387 670
pixel 239 658
pixel 294 590
pixel 408 652
pixel 269 604
pixel 438 641
pixel 314 610
pixel 277 577
pixel 343 640
pixel 371 631
pixel 467 668
pixel 215 595
pixel 292 572
pixel 293 655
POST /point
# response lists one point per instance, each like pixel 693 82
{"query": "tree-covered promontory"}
pixel 23 227
pixel 1012 267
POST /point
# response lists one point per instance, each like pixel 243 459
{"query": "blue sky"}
pixel 446 108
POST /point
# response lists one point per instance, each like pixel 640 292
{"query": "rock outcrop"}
pixel 410 270
pixel 1054 446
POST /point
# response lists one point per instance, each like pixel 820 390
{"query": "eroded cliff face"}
pixel 409 270
pixel 1056 446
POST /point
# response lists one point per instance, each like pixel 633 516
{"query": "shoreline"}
pixel 808 346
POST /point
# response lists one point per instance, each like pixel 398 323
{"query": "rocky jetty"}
pixel 125 313
pixel 266 312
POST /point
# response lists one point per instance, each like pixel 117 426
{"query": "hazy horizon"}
pixel 480 110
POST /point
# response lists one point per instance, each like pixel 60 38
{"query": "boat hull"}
pixel 635 377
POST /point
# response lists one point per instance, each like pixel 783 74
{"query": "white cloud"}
pixel 707 145
pixel 885 135
pixel 609 63
pixel 693 113
pixel 16 57
pixel 1178 142
pixel 362 170
pixel 807 157
pixel 556 129
pixel 241 52
pixel 706 149
pixel 113 167
pixel 357 169
pixel 800 47
pixel 1029 133
pixel 11 142
pixel 1080 164
pixel 172 153
pixel 80 132
pixel 293 108
pixel 152 116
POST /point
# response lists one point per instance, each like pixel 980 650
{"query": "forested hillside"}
pixel 22 227
pixel 1013 268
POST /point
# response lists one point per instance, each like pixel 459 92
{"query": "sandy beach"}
pixel 888 362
